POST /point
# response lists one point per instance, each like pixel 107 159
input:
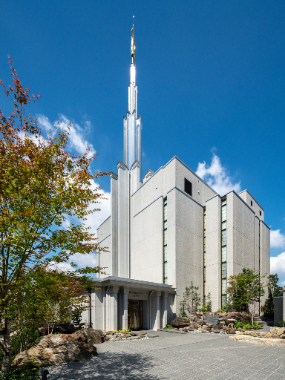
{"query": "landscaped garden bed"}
pixel 216 323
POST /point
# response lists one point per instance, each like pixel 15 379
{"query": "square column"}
pixel 164 309
pixel 113 323
pixel 125 306
pixel 157 324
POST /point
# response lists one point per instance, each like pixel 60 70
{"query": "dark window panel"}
pixel 187 187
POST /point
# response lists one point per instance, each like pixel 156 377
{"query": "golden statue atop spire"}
pixel 133 48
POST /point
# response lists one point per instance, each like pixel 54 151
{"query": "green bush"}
pixel 281 324
pixel 29 372
pixel 224 309
pixel 168 327
pixel 25 373
pixel 248 325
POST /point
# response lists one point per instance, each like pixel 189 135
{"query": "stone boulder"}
pixel 194 317
pixel 236 317
pixel 278 332
pixel 257 340
pixel 194 325
pixel 46 328
pixel 180 322
pixel 61 348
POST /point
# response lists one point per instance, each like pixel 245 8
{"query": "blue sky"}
pixel 211 81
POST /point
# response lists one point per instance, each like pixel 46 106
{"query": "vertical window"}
pixel 251 203
pixel 260 213
pixel 187 187
pixel 224 252
pixel 165 274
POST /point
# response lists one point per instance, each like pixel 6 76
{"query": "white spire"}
pixel 132 123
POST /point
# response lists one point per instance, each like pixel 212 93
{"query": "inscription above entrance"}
pixel 138 295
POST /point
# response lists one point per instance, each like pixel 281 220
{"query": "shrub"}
pixel 224 309
pixel 168 327
pixel 248 325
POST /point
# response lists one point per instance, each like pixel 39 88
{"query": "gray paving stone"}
pixel 179 356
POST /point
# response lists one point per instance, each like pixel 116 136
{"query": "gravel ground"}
pixel 178 356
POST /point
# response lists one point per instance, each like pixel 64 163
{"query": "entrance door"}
pixel 135 314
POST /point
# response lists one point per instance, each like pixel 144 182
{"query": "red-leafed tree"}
pixel 40 186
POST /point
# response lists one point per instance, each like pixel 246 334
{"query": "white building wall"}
pixel 147 193
pixel 201 192
pixel 214 251
pixel 98 298
pixel 255 206
pixel 86 313
pixel 147 243
pixel 188 241
pixel 256 243
pixel 264 255
pixel 240 235
pixel 123 220
pixel 104 259
pixel 114 225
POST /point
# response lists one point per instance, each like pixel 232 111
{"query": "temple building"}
pixel 165 230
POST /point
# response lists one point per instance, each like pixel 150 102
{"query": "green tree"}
pixel 273 291
pixel 182 310
pixel 245 290
pixel 45 294
pixel 191 299
pixel 40 186
pixel 208 302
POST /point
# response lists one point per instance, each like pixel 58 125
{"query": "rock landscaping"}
pixel 275 333
pixel 222 323
pixel 276 337
pixel 256 340
pixel 122 336
pixel 57 349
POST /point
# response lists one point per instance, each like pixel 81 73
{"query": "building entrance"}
pixel 135 313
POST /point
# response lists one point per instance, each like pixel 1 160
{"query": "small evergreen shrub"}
pixel 168 327
pixel 255 326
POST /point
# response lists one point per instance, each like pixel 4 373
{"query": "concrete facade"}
pixel 193 222
pixel 166 232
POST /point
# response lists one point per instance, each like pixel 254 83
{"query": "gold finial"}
pixel 133 48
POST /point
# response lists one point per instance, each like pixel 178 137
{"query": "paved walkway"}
pixel 179 356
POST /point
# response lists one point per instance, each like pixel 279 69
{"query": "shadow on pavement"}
pixel 107 366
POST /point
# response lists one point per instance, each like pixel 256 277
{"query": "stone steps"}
pixel 260 321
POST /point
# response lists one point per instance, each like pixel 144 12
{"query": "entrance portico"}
pixel 118 303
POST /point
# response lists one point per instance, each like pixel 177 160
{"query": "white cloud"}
pixel 216 176
pixel 76 139
pixel 282 283
pixel 64 267
pixel 88 260
pixel 277 264
pixel 79 144
pixel 37 139
pixel 277 239
pixel 94 220
pixel 82 260
pixel 45 124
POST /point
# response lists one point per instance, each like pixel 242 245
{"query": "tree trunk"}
pixel 7 349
